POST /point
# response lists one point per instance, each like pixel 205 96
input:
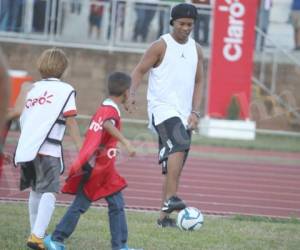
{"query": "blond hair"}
pixel 52 63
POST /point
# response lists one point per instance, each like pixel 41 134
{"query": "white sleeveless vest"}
pixel 44 103
pixel 171 84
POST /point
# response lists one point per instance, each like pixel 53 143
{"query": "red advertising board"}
pixel 232 56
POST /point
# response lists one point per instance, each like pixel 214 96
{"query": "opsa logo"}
pixel 232 49
pixel 39 100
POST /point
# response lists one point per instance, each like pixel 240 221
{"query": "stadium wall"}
pixel 87 72
pixel 89 69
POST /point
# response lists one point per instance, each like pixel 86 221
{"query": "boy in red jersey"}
pixel 93 174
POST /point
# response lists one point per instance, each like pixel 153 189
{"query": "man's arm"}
pixel 198 81
pixel 151 58
pixel 195 115
pixel 113 131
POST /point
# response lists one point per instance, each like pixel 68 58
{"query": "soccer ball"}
pixel 190 219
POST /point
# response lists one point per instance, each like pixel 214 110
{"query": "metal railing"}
pixel 277 69
pixel 124 25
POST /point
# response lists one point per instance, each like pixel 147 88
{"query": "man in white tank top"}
pixel 175 65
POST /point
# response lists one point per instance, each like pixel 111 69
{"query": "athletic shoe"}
pixel 128 248
pixel 34 242
pixel 172 204
pixel 166 222
pixel 53 245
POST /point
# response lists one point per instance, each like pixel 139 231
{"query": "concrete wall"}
pixel 89 69
pixel 87 72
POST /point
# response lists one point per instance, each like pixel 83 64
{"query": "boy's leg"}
pixel 45 210
pixel 46 183
pixel 42 174
pixel 33 206
pixel 69 222
pixel 117 221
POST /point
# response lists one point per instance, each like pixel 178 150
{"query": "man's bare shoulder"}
pixel 158 46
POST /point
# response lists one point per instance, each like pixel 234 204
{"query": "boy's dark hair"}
pixel 118 83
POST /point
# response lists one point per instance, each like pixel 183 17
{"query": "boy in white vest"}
pixel 49 108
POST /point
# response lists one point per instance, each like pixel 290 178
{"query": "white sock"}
pixel 33 206
pixel 45 211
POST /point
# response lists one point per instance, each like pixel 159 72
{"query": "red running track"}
pixel 216 186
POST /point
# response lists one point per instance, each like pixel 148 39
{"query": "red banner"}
pixel 232 56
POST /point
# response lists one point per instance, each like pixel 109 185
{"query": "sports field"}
pixel 217 180
pixel 218 233
pixel 228 181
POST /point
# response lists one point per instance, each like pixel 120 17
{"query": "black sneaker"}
pixel 166 222
pixel 172 204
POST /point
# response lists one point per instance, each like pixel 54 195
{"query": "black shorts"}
pixel 173 137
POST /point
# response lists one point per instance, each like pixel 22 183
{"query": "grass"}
pixel 217 233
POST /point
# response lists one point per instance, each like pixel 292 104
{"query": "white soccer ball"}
pixel 190 219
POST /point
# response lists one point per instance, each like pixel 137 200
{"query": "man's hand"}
pixel 130 105
pixel 193 121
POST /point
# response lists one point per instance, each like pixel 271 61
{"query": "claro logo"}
pixel 41 100
pixel 96 125
pixel 232 49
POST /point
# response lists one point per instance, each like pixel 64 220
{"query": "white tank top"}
pixel 171 84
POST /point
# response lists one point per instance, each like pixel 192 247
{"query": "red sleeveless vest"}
pixel 99 149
